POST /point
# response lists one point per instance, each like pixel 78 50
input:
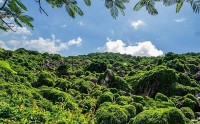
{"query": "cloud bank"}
pixel 51 45
pixel 145 48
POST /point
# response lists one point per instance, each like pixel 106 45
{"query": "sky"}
pixel 136 33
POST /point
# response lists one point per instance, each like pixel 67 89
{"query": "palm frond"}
pixel 195 4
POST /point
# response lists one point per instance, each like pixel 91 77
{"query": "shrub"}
pixel 131 111
pixel 37 118
pixel 83 86
pixel 58 96
pixel 109 113
pixel 6 111
pixel 159 116
pixel 161 97
pixel 106 97
pixel 87 104
pixel 45 79
pixel 124 99
pixel 97 66
pixel 188 112
pixel 137 98
pixel 138 106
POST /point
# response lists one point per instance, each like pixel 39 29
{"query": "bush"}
pixel 108 113
pixel 188 112
pixel 138 106
pixel 137 98
pixel 87 104
pixel 97 66
pixel 161 97
pixel 37 118
pixel 106 97
pixel 58 96
pixel 83 86
pixel 131 111
pixel 6 111
pixel 159 116
pixel 124 99
pixel 45 79
pixel 190 101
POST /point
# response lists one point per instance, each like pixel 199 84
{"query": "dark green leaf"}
pixel 178 6
pixel 87 2
pixel 19 3
pixel 17 22
pixel 3 28
pixel 109 3
pixel 114 12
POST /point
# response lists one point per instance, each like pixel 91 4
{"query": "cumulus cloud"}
pixel 18 31
pixel 51 45
pixel 180 20
pixel 145 48
pixel 137 23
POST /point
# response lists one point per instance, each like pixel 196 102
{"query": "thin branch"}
pixel 40 7
pixel 9 25
pixel 4 4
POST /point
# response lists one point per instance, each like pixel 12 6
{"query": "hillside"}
pixel 98 88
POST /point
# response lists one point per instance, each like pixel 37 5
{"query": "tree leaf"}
pixel 178 6
pixel 109 3
pixel 138 6
pixel 114 12
pixel 17 22
pixel 87 2
pixel 3 28
pixel 19 3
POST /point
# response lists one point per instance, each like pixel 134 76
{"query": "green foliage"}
pixel 157 116
pixel 109 113
pixel 83 86
pixel 98 67
pixel 124 100
pixel 190 101
pixel 6 111
pixel 138 106
pixel 187 112
pixel 105 97
pixel 44 92
pixel 55 95
pixel 161 97
pixel 137 98
pixel 5 65
pixel 45 79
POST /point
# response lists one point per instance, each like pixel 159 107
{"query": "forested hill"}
pixel 98 88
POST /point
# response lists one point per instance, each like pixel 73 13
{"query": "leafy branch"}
pixel 14 9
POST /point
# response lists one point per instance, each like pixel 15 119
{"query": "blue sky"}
pixel 136 33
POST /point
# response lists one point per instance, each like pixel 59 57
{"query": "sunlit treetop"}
pixel 13 12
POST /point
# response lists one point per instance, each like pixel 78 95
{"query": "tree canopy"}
pixel 13 12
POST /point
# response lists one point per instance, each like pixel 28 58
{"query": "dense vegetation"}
pixel 98 88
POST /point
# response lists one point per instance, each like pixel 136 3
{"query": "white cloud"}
pixel 3 45
pixel 180 20
pixel 1 1
pixel 51 45
pixel 145 48
pixel 137 23
pixel 81 23
pixel 19 31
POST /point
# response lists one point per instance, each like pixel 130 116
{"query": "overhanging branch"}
pixel 40 7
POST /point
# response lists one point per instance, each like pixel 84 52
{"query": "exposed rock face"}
pixel 197 76
pixel 149 89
